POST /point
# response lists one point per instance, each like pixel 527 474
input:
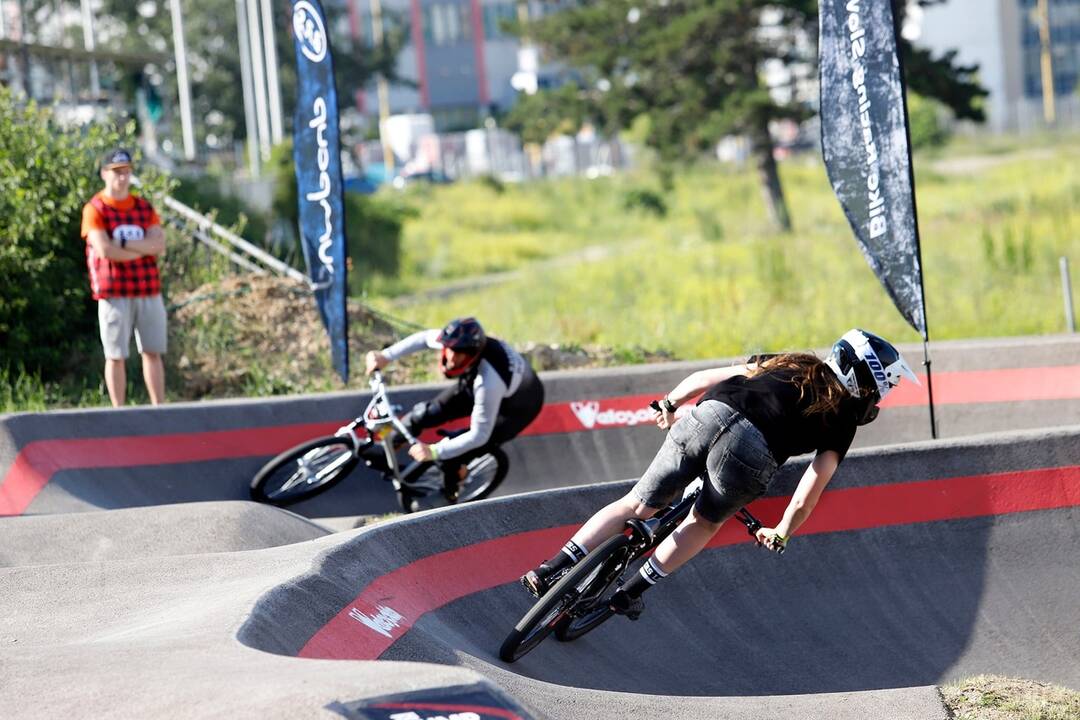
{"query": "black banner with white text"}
pixel 865 142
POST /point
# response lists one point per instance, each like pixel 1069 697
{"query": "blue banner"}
pixel 317 153
pixel 865 141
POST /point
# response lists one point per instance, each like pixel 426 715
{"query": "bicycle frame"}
pixel 378 419
pixel 647 534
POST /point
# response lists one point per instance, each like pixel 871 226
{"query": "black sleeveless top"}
pixel 771 402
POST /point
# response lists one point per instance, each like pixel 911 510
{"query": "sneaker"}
pixel 623 604
pixel 540 580
pixel 452 487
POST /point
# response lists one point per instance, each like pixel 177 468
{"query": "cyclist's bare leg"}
pixel 672 553
pixel 687 541
pixel 606 523
pixel 611 519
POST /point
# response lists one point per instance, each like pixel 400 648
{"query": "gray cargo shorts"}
pixel 717 443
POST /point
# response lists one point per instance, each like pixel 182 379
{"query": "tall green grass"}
pixel 586 263
pixel 713 279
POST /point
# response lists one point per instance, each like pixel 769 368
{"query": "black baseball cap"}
pixel 118 157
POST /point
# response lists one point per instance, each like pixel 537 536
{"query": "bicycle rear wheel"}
pixel 304 471
pixel 485 474
pixel 556 606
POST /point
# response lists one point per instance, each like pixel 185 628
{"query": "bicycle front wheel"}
pixel 484 475
pixel 304 471
pixel 592 608
pixel 554 608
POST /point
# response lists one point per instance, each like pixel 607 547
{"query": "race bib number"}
pixel 127 233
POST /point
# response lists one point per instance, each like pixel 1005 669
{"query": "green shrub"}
pixel 927 123
pixel 47 173
pixel 493 183
pixel 648 201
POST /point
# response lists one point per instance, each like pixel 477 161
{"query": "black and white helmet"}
pixel 869 367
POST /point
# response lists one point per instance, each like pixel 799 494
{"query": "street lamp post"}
pixel 182 83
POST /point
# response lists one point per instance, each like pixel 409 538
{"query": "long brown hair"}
pixel 811 375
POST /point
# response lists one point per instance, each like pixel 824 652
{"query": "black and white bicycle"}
pixel 378 438
pixel 579 601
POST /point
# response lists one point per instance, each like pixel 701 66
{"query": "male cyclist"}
pixel 494 386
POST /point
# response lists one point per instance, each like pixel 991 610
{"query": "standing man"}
pixel 123 241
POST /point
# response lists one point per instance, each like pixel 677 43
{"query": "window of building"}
pixel 495 14
pixel 447 23
pixel 1064 43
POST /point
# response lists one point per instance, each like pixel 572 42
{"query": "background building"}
pixel 458 55
pixel 1002 36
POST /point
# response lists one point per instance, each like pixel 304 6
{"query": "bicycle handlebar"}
pixel 381 400
pixel 753 525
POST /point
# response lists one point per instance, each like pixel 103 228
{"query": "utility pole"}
pixel 246 83
pixel 24 56
pixel 382 88
pixel 274 87
pixel 5 61
pixel 258 66
pixel 1046 61
pixel 183 86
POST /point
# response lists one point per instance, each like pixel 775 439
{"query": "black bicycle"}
pixel 579 601
pixel 378 438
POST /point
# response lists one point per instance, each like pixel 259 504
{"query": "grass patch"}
pixel 712 279
pixel 993 697
pixel 571 262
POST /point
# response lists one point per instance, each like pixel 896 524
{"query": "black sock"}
pixel 570 554
pixel 644 579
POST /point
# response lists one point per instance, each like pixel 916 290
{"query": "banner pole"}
pixel 925 329
pixel 929 387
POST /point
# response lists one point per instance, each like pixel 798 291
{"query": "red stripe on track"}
pixel 391 604
pixel 38 461
pixel 991 386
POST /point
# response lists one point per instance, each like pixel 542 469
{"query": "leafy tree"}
pixel 693 70
pixel 535 118
pixel 47 173
pixel 210 32
pixel 954 86
pixel 691 67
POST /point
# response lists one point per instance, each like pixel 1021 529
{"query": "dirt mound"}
pixel 253 336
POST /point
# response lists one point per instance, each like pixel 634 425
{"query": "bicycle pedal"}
pixel 623 604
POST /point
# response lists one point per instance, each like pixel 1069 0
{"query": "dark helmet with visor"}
pixel 869 367
pixel 462 335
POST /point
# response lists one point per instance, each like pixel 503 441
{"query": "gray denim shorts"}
pixel 717 443
pixel 118 317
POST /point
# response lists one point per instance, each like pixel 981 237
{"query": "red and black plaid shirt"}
pixel 122 278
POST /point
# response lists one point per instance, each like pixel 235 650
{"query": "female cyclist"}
pixel 748 421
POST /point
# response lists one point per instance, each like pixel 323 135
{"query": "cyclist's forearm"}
pixel 794 516
pixel 806 495
pixel 413 343
pixel 700 381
